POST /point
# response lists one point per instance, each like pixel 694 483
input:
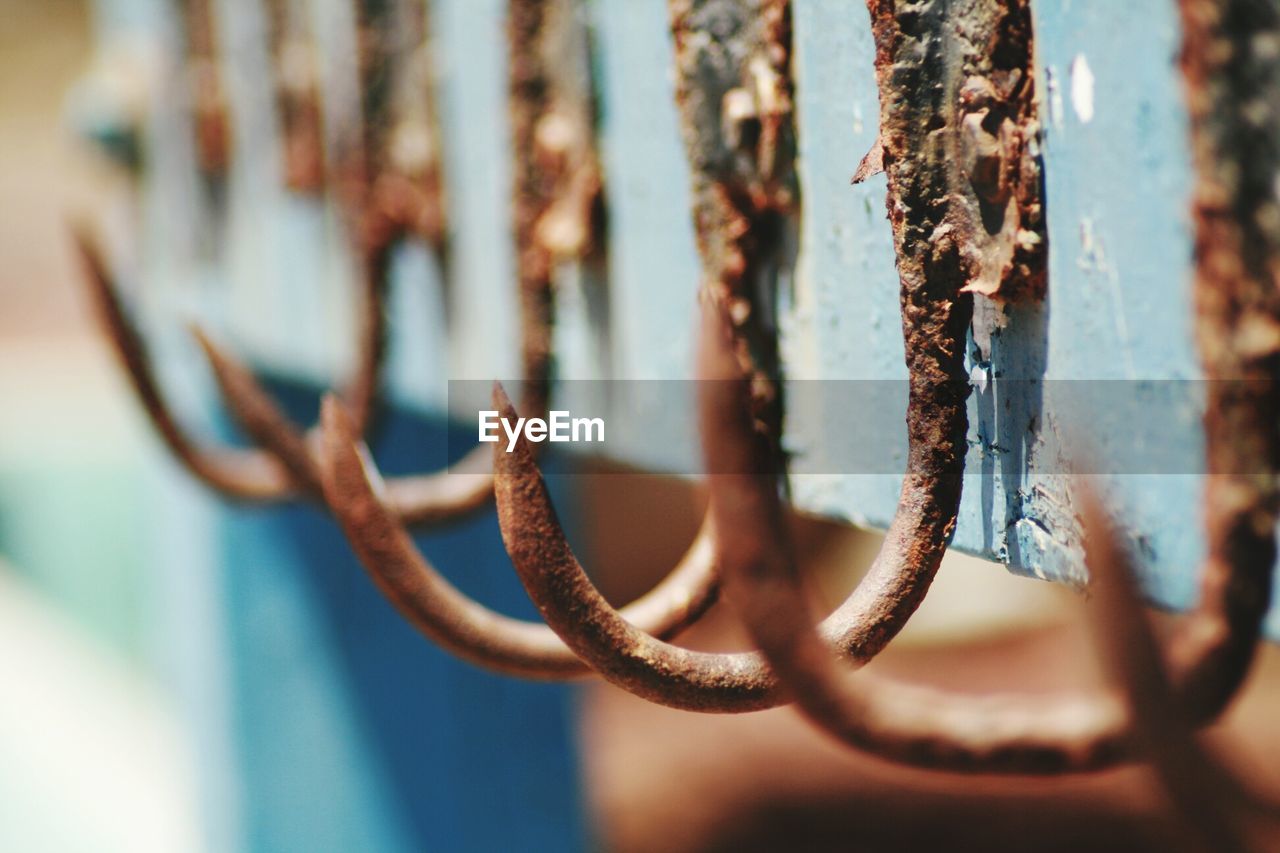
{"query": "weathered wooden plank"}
pixel 1117 182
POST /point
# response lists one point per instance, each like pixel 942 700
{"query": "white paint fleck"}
pixel 979 377
pixel 1082 88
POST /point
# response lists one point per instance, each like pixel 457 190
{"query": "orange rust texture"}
pixel 1230 65
pixel 734 91
pixel 557 185
pixel 920 130
pixel 209 100
pixel 297 98
pixel 994 190
pixel 402 130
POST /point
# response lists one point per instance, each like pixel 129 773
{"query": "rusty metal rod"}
pixel 741 52
pixel 205 88
pixel 248 474
pixel 1210 653
pixel 556 188
pixel 456 622
pixel 295 67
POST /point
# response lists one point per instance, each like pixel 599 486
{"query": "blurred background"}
pixel 93 754
pixel 178 675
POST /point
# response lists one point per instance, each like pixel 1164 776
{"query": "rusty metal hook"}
pixel 389 198
pixel 911 724
pixel 556 188
pixel 206 89
pixel 297 97
pixel 737 190
pixel 1211 653
pixel 551 180
pixel 458 623
pixel 701 681
pixel 252 475
pixel 285 467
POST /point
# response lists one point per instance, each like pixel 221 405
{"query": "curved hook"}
pixel 241 474
pixel 545 180
pixel 915 725
pixel 906 723
pixel 248 474
pixel 740 203
pixel 1216 806
pixel 719 682
pixel 1210 654
pixel 450 618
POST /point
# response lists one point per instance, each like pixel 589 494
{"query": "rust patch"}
pixel 399 172
pixel 295 67
pixel 734 91
pixel 208 96
pixel 980 132
pixel 1231 64
pixel 557 175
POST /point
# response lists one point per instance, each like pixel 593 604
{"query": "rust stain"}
pixel 734 92
pixel 295 66
pixel 1230 61
pixel 208 95
pixel 1231 65
pixel 447 616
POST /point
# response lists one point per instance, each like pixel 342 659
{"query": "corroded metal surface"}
pixel 733 88
pixel 280 474
pixel 555 196
pixel 1211 651
pixel 1232 71
pixel 460 624
pixel 295 65
pixel 205 89
pixel 958 141
pixel 710 38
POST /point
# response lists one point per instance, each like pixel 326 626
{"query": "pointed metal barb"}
pixel 737 192
pixel 1219 810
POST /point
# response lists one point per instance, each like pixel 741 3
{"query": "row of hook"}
pixel 959 145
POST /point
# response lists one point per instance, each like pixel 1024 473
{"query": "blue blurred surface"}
pixel 350 731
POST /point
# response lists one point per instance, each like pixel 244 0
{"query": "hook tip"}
pixel 501 401
pixel 335 421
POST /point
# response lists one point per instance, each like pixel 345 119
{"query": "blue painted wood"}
pixel 1118 182
pixel 323 721
pixel 344 728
